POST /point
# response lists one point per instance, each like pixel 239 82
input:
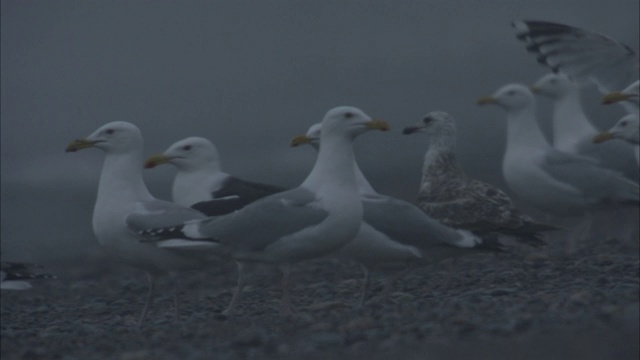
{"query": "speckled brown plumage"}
pixel 450 196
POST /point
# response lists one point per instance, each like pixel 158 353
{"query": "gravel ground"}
pixel 539 305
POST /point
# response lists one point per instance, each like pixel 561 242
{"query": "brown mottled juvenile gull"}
pixel 448 195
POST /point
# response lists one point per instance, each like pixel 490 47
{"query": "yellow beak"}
pixel 602 137
pixel 377 124
pixel 155 160
pixel 300 140
pixel 486 100
pixel 614 97
pixel 79 144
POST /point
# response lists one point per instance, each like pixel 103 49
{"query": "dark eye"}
pixel 427 120
pixel 186 147
pixel 511 92
pixel 109 131
pixel 348 115
pixel 623 123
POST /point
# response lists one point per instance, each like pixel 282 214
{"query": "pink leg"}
pixel 150 295
pixel 365 286
pixel 286 299
pixel 235 299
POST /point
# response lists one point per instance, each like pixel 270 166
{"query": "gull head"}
pixel 510 97
pixel 553 86
pixel 187 154
pixel 627 128
pixel 435 123
pixel 349 121
pixel 117 136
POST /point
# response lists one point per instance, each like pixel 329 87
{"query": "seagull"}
pixel 200 182
pixel 572 130
pixel 448 195
pixel 581 54
pixel 397 234
pixel 14 275
pixel 627 129
pixel 314 219
pixel 125 206
pixel 549 179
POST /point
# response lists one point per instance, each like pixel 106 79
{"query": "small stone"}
pixel 359 324
pixel 326 305
pixel 250 337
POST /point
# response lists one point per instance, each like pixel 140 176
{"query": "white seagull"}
pixel 200 182
pixel 572 130
pixel 448 195
pixel 319 217
pixel 124 206
pixel 627 129
pixel 397 234
pixel 552 180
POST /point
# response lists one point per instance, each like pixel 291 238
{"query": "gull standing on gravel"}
pixel 200 182
pixel 317 218
pixel 552 180
pixel 448 195
pixel 396 234
pixel 125 206
pixel 572 130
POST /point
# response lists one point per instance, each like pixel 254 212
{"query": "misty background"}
pixel 249 75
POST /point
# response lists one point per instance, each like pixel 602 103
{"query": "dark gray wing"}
pixel 580 54
pixel 22 271
pixel 235 194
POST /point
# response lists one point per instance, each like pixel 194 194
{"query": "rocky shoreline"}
pixel 534 306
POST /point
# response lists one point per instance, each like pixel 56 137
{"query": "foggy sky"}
pixel 249 75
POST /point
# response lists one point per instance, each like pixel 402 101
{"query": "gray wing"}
pixel 595 182
pixel 580 54
pixel 263 222
pixel 406 223
pixel 157 214
pixel 615 155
